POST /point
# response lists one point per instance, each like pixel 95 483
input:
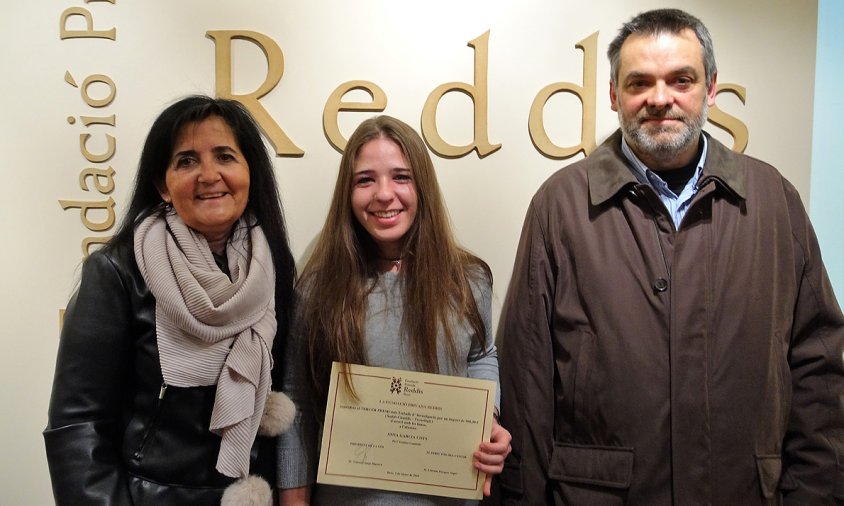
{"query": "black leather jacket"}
pixel 117 435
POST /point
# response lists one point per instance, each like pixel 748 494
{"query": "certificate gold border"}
pixel 467 386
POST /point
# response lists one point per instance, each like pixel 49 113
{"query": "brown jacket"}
pixel 651 366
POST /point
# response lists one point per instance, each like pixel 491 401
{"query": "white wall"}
pixel 407 48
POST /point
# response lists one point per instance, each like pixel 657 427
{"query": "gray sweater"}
pixel 298 448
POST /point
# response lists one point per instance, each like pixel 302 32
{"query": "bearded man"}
pixel 670 333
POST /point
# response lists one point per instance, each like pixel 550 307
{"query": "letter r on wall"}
pixel 275 69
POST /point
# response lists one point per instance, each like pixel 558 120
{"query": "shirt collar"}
pixel 644 174
pixel 609 171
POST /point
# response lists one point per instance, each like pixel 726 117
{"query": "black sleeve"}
pixel 84 421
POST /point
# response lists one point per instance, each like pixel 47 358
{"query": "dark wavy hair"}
pixel 264 202
pixel 660 21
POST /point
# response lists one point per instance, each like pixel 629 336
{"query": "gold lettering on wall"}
pixel 478 93
pixel 586 94
pixel 97 158
pixel 98 79
pixel 88 241
pixel 102 178
pixel 727 122
pixel 88 32
pixel 98 120
pixel 85 206
pixel 275 69
pixel 335 104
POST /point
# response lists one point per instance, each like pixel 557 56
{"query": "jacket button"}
pixel 660 285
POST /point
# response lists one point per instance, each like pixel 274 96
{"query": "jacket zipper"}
pixel 139 453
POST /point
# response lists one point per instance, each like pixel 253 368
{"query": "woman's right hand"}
pixel 489 458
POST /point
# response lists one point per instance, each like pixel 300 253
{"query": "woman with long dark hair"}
pixel 162 393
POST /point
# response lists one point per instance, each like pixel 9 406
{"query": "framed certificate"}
pixel 405 431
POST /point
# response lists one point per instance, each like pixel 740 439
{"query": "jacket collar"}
pixel 608 172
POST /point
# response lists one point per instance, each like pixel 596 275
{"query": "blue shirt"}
pixel 677 205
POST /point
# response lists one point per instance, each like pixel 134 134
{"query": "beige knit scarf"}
pixel 212 329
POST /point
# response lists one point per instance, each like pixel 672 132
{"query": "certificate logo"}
pixel 412 387
pixel 395 386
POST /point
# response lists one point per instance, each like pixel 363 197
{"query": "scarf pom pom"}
pixel 250 491
pixel 279 412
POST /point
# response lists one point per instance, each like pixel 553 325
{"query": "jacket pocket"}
pixel 144 491
pixel 581 394
pixel 769 468
pixel 594 475
pixel 607 466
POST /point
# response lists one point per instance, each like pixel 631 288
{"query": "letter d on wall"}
pixel 586 94
pixel 478 94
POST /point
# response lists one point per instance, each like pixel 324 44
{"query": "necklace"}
pixel 396 263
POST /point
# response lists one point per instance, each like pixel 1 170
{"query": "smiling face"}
pixel 207 179
pixel 661 97
pixel 384 194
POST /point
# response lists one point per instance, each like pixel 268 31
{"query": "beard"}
pixel 663 143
